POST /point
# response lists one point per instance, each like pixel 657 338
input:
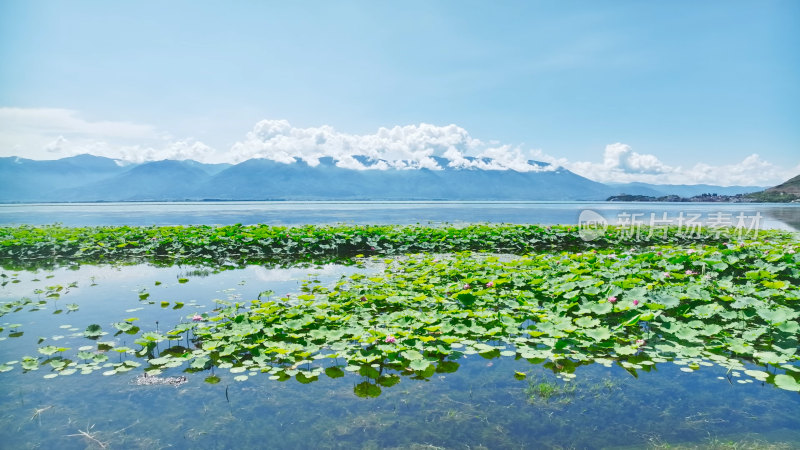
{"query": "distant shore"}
pixel 710 198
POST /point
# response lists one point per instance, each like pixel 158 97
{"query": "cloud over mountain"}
pixel 621 164
pixel 50 133
pixel 400 147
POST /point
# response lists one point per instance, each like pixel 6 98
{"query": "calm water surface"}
pixel 481 405
pixel 782 216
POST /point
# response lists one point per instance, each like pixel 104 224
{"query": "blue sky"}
pixel 677 91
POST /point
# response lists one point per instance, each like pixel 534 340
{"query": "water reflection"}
pixel 788 215
pixel 480 405
pixel 474 399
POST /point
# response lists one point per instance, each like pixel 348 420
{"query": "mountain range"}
pixel 88 178
pixel 788 191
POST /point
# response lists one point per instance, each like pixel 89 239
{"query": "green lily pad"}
pixel 787 382
pixel 93 331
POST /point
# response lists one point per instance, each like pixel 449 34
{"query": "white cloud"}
pixel 621 156
pixel 752 170
pixel 48 133
pixel 57 121
pixel 622 165
pixel 400 147
pixel 178 150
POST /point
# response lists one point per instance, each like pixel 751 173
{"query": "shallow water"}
pixel 777 216
pixel 481 404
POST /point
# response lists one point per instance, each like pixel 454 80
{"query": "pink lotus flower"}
pixel 390 339
pixel 640 342
pixel 667 274
pixel 635 302
pixel 690 251
pixel 465 287
pixel 659 253
pixel 612 299
pixel 363 299
pixel 490 284
pixel 197 318
pixel 691 272
pixel 790 251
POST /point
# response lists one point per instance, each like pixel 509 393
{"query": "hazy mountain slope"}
pixel 159 180
pixel 26 180
pixel 211 169
pixel 789 187
pixel 93 178
pixel 788 191
pixel 260 179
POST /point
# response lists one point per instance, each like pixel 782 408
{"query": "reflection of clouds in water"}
pixel 295 273
pixel 144 275
pixel 119 273
pixel 84 276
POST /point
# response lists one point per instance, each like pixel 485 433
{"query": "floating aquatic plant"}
pixel 715 303
pixel 225 246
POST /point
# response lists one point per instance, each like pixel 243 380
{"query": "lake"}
pixel 780 216
pixel 477 402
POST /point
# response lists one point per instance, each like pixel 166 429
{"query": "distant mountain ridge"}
pixel 681 190
pixel 788 191
pixel 87 178
pixel 791 186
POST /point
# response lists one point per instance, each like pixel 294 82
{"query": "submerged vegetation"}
pixel 543 294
